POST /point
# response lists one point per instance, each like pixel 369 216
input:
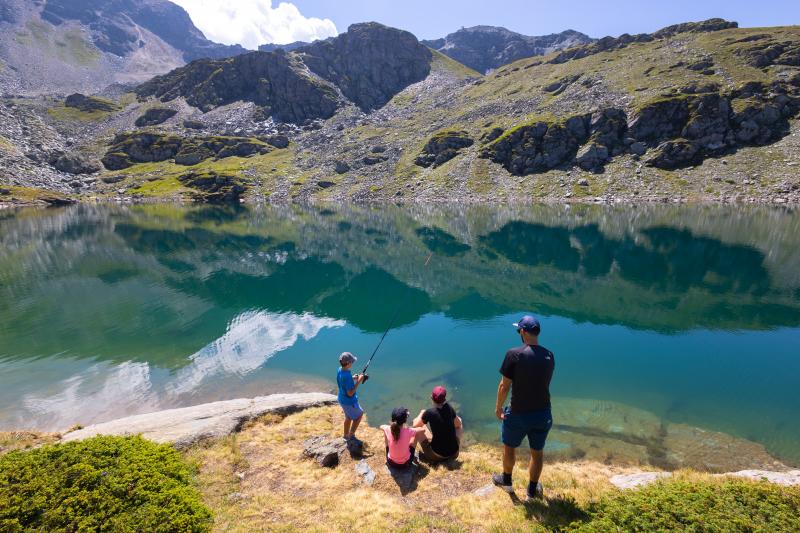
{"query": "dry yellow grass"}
pixel 258 480
pixel 24 440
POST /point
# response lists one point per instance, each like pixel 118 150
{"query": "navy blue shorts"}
pixel 534 425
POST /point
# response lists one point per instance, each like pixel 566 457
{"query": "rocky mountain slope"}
pixel 700 111
pixel 484 48
pixel 68 45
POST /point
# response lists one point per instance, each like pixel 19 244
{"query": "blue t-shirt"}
pixel 344 378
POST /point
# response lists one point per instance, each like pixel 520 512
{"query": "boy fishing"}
pixel 348 399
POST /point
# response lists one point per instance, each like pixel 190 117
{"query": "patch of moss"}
pixel 442 63
pixel 70 114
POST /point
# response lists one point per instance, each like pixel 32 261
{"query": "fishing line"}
pixel 391 324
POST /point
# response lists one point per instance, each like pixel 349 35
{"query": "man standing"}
pixel 526 371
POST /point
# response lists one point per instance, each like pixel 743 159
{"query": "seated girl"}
pixel 400 440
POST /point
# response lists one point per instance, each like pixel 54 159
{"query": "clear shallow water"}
pixel 676 329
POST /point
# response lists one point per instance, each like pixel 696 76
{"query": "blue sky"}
pixel 254 22
pixel 435 18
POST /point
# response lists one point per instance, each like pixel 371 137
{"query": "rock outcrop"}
pixel 483 48
pixel 186 426
pixel 443 147
pixel 275 81
pixel 89 104
pixel 680 130
pixel 615 43
pixel 73 163
pixel 155 116
pixel 370 63
pixel 127 149
pixel 212 187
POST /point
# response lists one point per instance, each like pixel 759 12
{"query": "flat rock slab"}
pixel 631 481
pixel 188 425
pixel 789 479
pixel 324 450
pixel 485 490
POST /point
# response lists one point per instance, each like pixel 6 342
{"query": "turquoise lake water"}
pixel 676 329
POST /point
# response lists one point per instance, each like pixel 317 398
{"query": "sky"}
pixel 254 22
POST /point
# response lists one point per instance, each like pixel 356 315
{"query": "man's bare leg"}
pixel 535 468
pixel 347 423
pixel 509 458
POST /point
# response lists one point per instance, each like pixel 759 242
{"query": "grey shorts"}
pixel 353 412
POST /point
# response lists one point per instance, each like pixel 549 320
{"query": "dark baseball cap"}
pixel 400 414
pixel 439 394
pixel 528 323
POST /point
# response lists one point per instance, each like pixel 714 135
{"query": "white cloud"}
pixel 254 22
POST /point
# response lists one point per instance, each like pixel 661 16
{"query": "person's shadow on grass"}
pixel 554 512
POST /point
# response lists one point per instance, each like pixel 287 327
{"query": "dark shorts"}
pixel 534 425
pixel 433 457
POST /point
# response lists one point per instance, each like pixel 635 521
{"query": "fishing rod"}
pixel 391 324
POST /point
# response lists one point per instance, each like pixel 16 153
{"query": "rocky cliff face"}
pixel 369 64
pixel 483 48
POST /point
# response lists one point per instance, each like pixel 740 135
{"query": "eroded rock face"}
pixel 155 116
pixel 128 149
pixel 443 147
pixel 275 81
pixel 680 131
pixel 370 63
pixel 73 163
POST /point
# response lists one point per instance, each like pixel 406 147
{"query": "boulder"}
pixel 325 184
pixel 193 125
pixel 73 163
pixel 369 160
pixel 155 116
pixel 340 167
pixel 192 155
pixel 592 157
pixel 278 141
pixel 790 478
pixel 443 147
pixel 324 450
pixel 675 154
pixel 492 134
pixel 638 148
pixel 112 179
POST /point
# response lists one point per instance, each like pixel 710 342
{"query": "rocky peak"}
pixel 488 47
pixel 369 63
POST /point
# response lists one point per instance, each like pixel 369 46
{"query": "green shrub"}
pixel 679 505
pixel 101 484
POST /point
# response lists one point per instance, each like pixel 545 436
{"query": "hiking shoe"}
pixel 497 479
pixel 537 494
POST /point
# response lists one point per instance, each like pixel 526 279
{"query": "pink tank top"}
pixel 399 449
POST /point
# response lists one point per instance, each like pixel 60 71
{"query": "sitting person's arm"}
pixel 459 424
pixel 419 421
pixel 384 427
pixel 419 435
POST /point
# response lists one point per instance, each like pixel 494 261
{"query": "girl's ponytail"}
pixel 395 430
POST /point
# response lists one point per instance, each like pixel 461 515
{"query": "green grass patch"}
pixel 62 113
pixel 442 63
pixel 680 505
pixel 101 484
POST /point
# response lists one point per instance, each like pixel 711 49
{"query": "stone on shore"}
pixel 789 479
pixel 640 479
pixel 188 425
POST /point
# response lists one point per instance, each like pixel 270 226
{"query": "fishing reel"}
pixel 364 378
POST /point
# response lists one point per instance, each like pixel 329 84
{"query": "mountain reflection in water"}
pixel 687 314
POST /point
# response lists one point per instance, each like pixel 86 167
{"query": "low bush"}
pixel 680 505
pixel 101 484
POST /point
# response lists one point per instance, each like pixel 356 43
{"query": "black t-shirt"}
pixel 442 420
pixel 530 368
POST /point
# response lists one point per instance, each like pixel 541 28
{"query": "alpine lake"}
pixel 676 329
